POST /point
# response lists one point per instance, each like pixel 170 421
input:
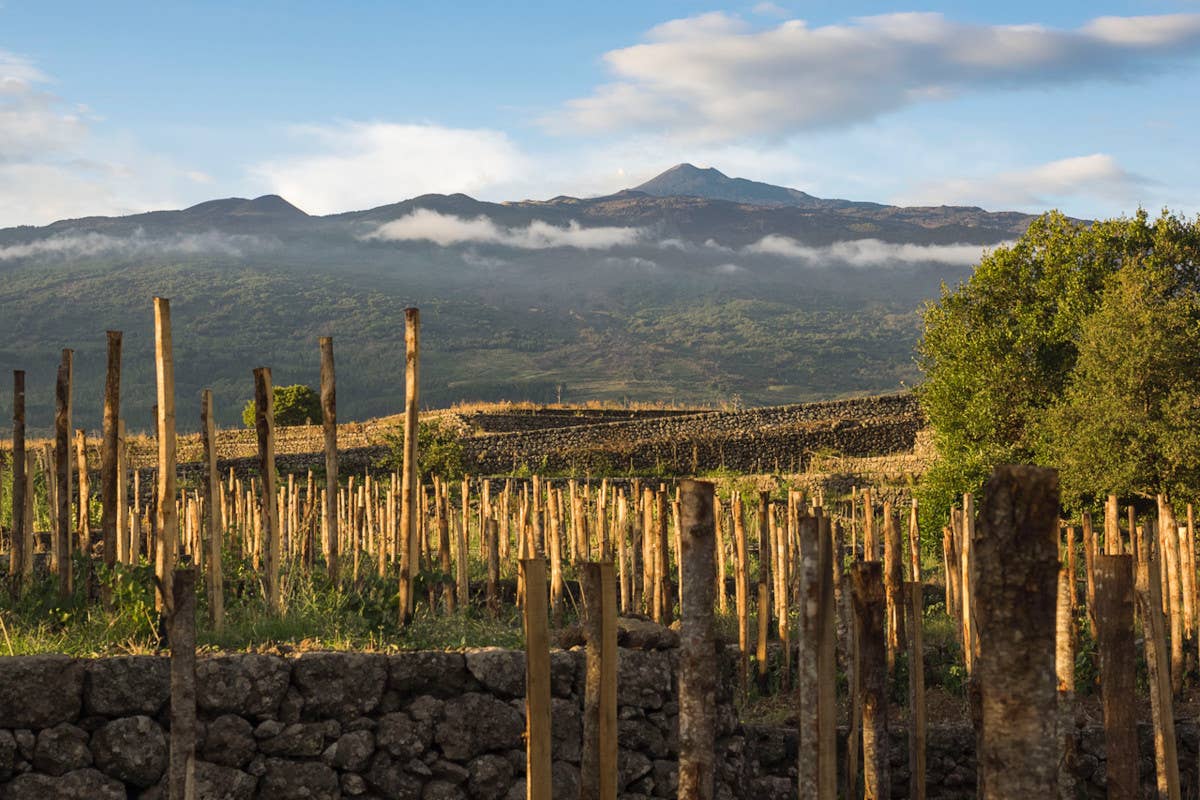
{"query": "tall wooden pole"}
pixel 62 464
pixel 764 598
pixel 1118 670
pixel 697 653
pixel 408 479
pixel 181 769
pixel 21 538
pixel 537 680
pixel 1015 583
pixel 598 765
pixel 167 514
pixel 83 522
pixel 264 424
pixel 329 426
pixel 870 608
pixel 216 526
pixel 1149 602
pixel 109 450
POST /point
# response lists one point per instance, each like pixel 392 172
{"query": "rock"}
pixel 566 673
pixel 429 672
pixel 631 766
pixel 81 784
pixel 340 685
pixel 131 749
pixel 296 740
pixel 388 777
pixel 352 751
pixel 219 782
pixel 666 778
pixel 564 781
pixel 268 728
pixel 566 731
pixel 478 723
pixel 298 780
pixel 443 790
pixel 353 785
pixel 229 742
pixel 490 776
pixel 25 742
pixel 126 685
pixel 643 736
pixel 401 736
pixel 449 771
pixel 642 634
pixel 500 670
pixel 61 749
pixel 8 754
pixel 643 678
pixel 40 691
pixel 426 709
pixel 250 684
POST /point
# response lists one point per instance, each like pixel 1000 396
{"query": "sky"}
pixel 119 107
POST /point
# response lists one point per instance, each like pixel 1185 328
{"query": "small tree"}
pixel 294 405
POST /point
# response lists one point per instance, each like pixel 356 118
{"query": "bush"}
pixel 294 405
pixel 439 452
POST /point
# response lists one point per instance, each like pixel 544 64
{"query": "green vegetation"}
pixel 1077 347
pixel 439 450
pixel 294 405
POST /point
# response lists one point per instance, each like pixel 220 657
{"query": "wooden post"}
pixel 967 553
pixel 408 479
pixel 1089 557
pixel 330 540
pixel 442 519
pixel 1064 667
pixel 741 594
pixel 62 465
pixel 764 599
pixel 828 566
pixel 124 543
pixel 807 675
pixel 110 461
pixel 83 521
pixel 1016 593
pixel 1115 642
pixel 216 525
pixel 537 678
pixel 663 592
pixel 1149 602
pixel 917 727
pixel 869 611
pixel 598 767
pixel 697 653
pixel 22 533
pixel 264 422
pixel 493 568
pixel 1112 527
pixel 167 515
pixel 893 584
pixel 181 775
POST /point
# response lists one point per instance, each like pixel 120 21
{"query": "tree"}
pixel 1000 351
pixel 439 450
pixel 294 405
pixel 1129 420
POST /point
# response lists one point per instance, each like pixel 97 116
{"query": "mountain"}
pixel 686 180
pixel 693 287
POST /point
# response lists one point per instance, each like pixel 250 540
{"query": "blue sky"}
pixel 119 107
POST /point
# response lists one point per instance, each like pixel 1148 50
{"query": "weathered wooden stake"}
pixel 216 525
pixel 869 611
pixel 62 464
pixel 1015 582
pixel 330 539
pixel 537 679
pixel 409 556
pixel 1149 602
pixel 493 568
pixel 22 533
pixel 111 501
pixel 1064 667
pixel 598 767
pixel 807 677
pixel 1115 641
pixel 167 514
pixel 264 423
pixel 764 598
pixel 181 776
pixel 697 654
pixel 83 521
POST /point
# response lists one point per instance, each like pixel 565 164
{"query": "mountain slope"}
pixel 682 297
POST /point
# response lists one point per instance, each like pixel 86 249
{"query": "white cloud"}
pixel 715 77
pixel 54 165
pixel 86 245
pixel 867 252
pixel 1096 175
pixel 768 9
pixel 356 165
pixel 448 229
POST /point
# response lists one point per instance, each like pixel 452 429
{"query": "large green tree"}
pixel 1000 352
